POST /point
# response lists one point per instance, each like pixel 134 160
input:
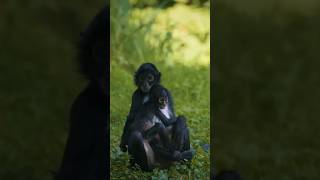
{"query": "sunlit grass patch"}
pixel 187 26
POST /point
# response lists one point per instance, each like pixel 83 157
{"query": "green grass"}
pixel 190 89
pixel 162 37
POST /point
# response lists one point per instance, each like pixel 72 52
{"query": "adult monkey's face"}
pixel 146 81
pixel 147 76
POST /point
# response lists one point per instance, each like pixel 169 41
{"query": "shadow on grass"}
pixel 39 81
pixel 266 93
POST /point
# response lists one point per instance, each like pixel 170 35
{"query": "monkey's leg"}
pixel 167 154
pixel 180 138
pixel 141 151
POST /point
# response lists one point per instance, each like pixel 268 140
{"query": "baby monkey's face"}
pixel 163 102
pixel 160 96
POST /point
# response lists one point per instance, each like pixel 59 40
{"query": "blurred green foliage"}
pixel 167 3
pixel 39 81
pixel 161 36
pixel 266 92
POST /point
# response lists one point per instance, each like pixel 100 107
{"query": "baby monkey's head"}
pixel 159 96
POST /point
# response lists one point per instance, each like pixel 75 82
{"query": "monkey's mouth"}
pixel 145 89
pixel 162 106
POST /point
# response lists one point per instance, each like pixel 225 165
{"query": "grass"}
pixel 191 100
pixel 158 36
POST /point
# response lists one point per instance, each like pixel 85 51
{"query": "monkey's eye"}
pixel 160 100
pixel 150 78
pixel 163 100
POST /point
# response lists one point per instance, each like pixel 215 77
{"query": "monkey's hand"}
pixel 151 132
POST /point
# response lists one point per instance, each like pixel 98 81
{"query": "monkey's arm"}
pixel 158 127
pixel 166 121
pixel 135 105
pixel 171 105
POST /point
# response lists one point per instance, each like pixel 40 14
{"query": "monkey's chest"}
pixel 145 99
pixel 149 124
pixel 155 119
pixel 166 112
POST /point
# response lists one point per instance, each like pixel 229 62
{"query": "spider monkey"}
pixel 145 77
pixel 153 141
pixel 86 154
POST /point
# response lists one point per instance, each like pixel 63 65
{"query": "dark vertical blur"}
pixel 266 88
pixel 38 82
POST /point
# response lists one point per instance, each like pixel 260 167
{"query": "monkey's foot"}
pixel 188 155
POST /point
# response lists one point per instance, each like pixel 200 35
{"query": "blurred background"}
pixel 264 81
pixel 38 82
pixel 265 88
pixel 175 36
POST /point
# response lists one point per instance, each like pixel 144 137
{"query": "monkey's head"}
pixel 162 101
pixel 93 50
pixel 159 96
pixel 146 76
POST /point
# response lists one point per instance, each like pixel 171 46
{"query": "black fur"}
pixel 137 100
pixel 157 134
pixel 147 67
pixel 87 148
pixel 97 32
